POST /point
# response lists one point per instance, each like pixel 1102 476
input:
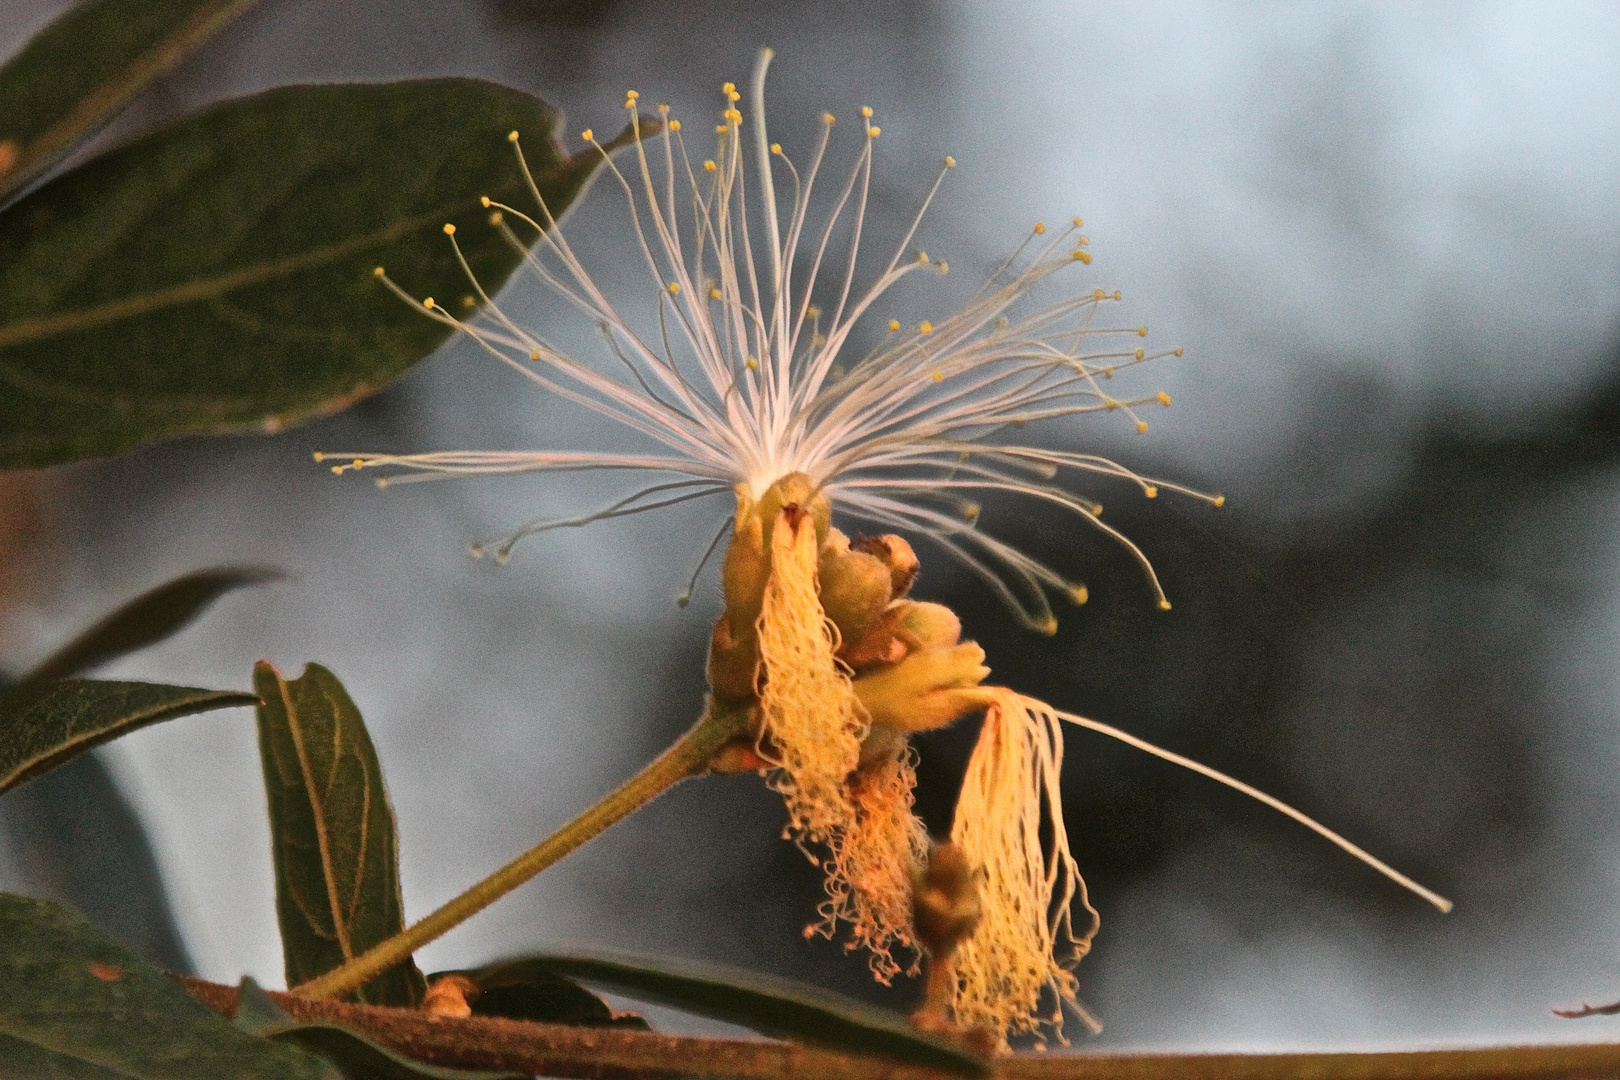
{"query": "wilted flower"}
pixel 749 391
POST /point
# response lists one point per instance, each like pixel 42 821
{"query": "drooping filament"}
pixel 1009 822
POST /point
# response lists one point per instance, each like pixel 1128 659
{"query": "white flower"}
pixel 749 380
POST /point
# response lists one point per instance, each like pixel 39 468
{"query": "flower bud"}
pixel 926 690
pixel 855 587
pixel 896 554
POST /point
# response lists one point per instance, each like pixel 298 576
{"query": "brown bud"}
pixel 449 997
pixel 896 554
pixel 855 587
pixel 945 899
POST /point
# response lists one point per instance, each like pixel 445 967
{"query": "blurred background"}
pixel 1386 238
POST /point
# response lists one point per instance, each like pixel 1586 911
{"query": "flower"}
pixel 748 390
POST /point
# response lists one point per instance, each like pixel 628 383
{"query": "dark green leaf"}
pixel 218 277
pixel 83 68
pixel 68 718
pixel 769 1005
pixel 145 620
pixel 332 833
pixel 530 990
pixel 76 1005
pixel 361 1058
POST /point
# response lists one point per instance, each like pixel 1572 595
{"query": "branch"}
pixel 590 1053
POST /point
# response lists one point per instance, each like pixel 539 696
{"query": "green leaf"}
pixel 217 276
pixel 361 1058
pixel 68 718
pixel 769 1005
pixel 145 620
pixel 76 1005
pixel 83 68
pixel 332 833
pixel 527 989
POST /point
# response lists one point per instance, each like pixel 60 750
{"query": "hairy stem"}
pixel 689 756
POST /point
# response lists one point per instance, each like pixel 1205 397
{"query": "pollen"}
pixel 829 119
pixel 751 364
pixel 631 95
pixel 709 166
pixel 1083 255
pixel 496 217
pixel 484 201
pixel 320 455
pixel 1118 295
pixel 1176 351
pixel 714 294
pixel 428 303
pixel 939 376
pixel 534 355
pixel 950 162
pixel 1151 492
pixel 1219 500
pixel 1140 353
pixel 734 116
pixel 866 111
pixel 1164 398
pixel 873 131
pixel 776 148
pixel 512 136
pixel 1141 426
pixel 894 326
pixel 1164 605
pixel 588 135
pixel 925 328
pixel 1099 295
pixel 674 125
pixel 1078 594
pixel 1040 227
pixel 379 272
pixel 449 229
pixel 674 287
pixel 1141 331
pixel 1078 222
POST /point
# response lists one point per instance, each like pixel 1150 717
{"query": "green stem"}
pixel 689 756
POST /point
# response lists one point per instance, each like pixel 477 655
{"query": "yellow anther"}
pixel 1140 353
pixel 1001 323
pixel 829 119
pixel 674 125
pixel 922 257
pixel 950 162
pixel 813 311
pixel 663 109
pixel 483 200
pixel 337 470
pixel 468 301
pixel 428 303
pixel 357 463
pixel 1108 373
pixel 382 481
pixel 894 326
pixel 1141 331
pixel 1047 626
pixel 1164 605
pixel 728 88
pixel 1220 500
pixel 1117 294
pixel 674 287
pixel 709 166
pixel 776 148
pixel 534 355
pixel 1096 510
pixel 1078 594
pixel 1164 399
pixel 379 272
pixel 496 217
pixel 925 328
pixel 1110 404
pixel 751 364
pixel 320 455
pixel 1078 222
pixel 817 340
pixel 449 229
pixel 511 136
pixel 866 111
pixel 714 294
pixel 939 376
pixel 1083 255
pixel 873 132
pixel 1099 295
pixel 970 511
pixel 631 95
pixel 1151 492
pixel 588 135
pixel 944 267
pixel 630 103
pixel 1141 426
pixel 734 116
pixel 1176 351
pixel 1040 227
pixel 1082 240
pixel 721 129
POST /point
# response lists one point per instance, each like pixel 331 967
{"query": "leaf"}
pixel 76 1005
pixel 70 717
pixel 769 1005
pixel 332 833
pixel 217 276
pixel 84 67
pixel 527 989
pixel 360 1057
pixel 145 620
